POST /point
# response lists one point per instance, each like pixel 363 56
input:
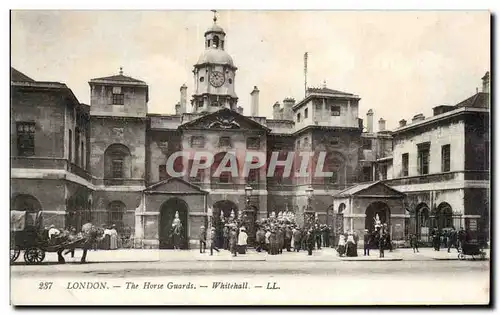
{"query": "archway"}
pixel 28 203
pixel 444 216
pixel 224 208
pixel 167 215
pixel 422 222
pixel 383 211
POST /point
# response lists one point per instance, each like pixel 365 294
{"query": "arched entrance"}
pixel 443 216
pixel 167 215
pixel 224 208
pixel 422 219
pixel 383 211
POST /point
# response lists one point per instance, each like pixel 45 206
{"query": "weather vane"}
pixel 215 15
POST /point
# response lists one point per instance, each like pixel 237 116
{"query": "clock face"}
pixel 217 78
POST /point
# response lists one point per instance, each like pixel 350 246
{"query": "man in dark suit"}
pixel 452 239
pixel 310 238
pixel 367 239
pixel 296 239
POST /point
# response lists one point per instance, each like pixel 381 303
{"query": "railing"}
pixel 422 179
pixel 77 170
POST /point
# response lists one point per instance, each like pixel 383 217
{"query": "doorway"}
pixel 167 215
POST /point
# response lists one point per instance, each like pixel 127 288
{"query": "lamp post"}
pixel 249 217
pixel 309 212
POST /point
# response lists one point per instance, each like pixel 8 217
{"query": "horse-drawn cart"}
pixel 28 234
pixel 471 249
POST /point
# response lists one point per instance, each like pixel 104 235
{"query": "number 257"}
pixel 44 285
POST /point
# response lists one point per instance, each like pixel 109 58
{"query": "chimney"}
pixel 183 99
pixel 486 82
pixel 369 121
pixel 402 123
pixel 288 103
pixel 381 124
pixel 240 110
pixel 254 107
pixel 276 110
pixel 417 117
pixel 178 108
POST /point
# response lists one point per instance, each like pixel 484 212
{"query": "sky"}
pixel 400 63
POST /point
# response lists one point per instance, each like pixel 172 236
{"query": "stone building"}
pixel 107 162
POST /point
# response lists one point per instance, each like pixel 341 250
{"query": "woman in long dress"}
pixel 351 250
pixel 113 238
pixel 341 245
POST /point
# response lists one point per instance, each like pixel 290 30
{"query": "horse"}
pixel 89 235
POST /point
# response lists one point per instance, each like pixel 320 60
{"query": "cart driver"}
pixel 53 231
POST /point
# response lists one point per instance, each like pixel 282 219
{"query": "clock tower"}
pixel 214 74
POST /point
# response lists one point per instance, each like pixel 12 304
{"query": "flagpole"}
pixel 306 55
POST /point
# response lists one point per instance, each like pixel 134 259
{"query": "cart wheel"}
pixel 14 253
pixel 461 256
pixel 34 255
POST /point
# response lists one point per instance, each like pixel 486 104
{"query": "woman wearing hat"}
pixel 242 241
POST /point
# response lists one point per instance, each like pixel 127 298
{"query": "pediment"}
pixel 224 119
pixel 376 189
pixel 175 185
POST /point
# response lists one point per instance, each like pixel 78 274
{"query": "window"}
pixel 383 172
pixel 117 168
pixel 26 138
pixel 298 117
pixel 197 142
pixel 445 158
pixel 306 113
pixel 404 159
pixel 335 177
pixel 82 152
pixel 70 145
pixel 115 214
pixel 367 144
pixel 118 99
pixel 225 177
pixel 318 106
pixel 77 146
pixel 224 142
pixel 423 158
pixel 306 142
pixel 200 103
pixel 253 176
pixel 335 110
pixel 334 141
pixel 298 143
pixel 162 171
pixel 216 41
pixel 253 143
pixel 367 174
pixel 202 79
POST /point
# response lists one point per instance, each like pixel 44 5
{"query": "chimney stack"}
pixel 183 99
pixel 288 103
pixel 369 121
pixel 178 109
pixel 240 110
pixel 276 110
pixel 402 123
pixel 417 117
pixel 254 108
pixel 486 82
pixel 381 124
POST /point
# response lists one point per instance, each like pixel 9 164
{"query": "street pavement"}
pixel 427 277
pixel 325 254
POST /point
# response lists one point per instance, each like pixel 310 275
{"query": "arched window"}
pixel 334 163
pixel 117 162
pixel 116 209
pixel 216 41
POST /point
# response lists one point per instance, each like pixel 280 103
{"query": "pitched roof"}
pixel 353 190
pixel 477 100
pixel 119 78
pixel 325 90
pixel 18 76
